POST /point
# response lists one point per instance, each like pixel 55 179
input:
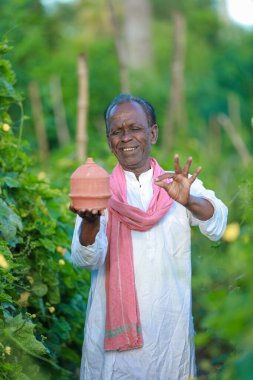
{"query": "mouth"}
pixel 128 149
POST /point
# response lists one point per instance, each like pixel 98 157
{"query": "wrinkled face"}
pixel 130 137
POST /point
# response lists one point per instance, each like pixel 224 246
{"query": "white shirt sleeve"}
pixel 214 227
pixel 92 256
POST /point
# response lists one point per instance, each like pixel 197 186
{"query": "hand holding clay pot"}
pixel 90 215
pixel 90 189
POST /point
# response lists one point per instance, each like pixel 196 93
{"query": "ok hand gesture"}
pixel 178 188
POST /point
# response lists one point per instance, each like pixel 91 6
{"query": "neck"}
pixel 138 171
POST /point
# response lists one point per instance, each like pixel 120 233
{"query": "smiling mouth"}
pixel 128 149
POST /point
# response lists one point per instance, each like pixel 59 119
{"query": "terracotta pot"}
pixel 90 187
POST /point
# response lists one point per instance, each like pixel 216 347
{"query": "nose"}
pixel 126 135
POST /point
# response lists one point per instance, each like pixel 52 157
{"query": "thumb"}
pixel 161 183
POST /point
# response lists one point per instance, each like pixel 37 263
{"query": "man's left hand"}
pixel 178 188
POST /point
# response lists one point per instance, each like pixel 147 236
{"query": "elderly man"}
pixel 139 319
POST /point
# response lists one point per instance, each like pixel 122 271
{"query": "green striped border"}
pixel 122 329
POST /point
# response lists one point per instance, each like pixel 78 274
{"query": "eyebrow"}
pixel 133 124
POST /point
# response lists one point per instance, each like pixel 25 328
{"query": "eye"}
pixel 136 128
pixel 115 132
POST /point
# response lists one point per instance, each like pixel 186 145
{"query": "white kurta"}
pixel 162 265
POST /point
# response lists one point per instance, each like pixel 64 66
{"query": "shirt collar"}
pixel 144 178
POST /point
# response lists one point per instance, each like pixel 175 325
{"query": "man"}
pixel 139 322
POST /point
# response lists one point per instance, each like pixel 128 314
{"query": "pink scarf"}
pixel 123 328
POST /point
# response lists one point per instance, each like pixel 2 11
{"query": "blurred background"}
pixel 61 63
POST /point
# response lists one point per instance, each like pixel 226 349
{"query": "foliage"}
pixel 42 296
pixel 223 289
pixel 34 216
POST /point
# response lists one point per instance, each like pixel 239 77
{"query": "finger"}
pixel 87 213
pixel 91 218
pixel 84 210
pixel 187 166
pixel 82 213
pixel 98 212
pixel 93 211
pixel 195 174
pixel 164 176
pixel 162 184
pixel 72 208
pixel 177 166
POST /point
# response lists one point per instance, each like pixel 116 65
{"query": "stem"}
pixel 21 123
pixel 27 351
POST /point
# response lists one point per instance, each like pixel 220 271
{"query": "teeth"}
pixel 128 149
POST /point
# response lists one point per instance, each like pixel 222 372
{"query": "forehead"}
pixel 129 112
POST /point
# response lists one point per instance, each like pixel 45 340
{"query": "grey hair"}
pixel 127 98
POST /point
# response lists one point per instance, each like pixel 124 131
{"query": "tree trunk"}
pixel 222 8
pixel 234 109
pixel 235 138
pixel 38 120
pixel 213 143
pixel 176 113
pixel 59 111
pixel 120 51
pixel 82 112
pixel 137 25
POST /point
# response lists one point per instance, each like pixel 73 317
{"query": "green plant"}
pixel 223 290
pixel 42 295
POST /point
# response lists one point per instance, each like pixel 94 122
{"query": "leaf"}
pixel 4 249
pixel 242 367
pixel 5 297
pixel 11 182
pixel 48 244
pixel 6 89
pixel 62 328
pixel 40 289
pixel 9 222
pixel 22 333
pixel 70 354
pixel 4 47
pixel 54 296
pixel 22 376
pixel 23 300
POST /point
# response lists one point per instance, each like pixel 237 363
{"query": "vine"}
pixel 42 296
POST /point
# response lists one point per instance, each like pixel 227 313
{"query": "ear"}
pixel 109 142
pixel 154 134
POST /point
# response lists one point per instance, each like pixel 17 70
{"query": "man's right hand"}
pixel 90 224
pixel 90 215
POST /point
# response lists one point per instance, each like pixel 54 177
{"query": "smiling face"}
pixel 130 137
